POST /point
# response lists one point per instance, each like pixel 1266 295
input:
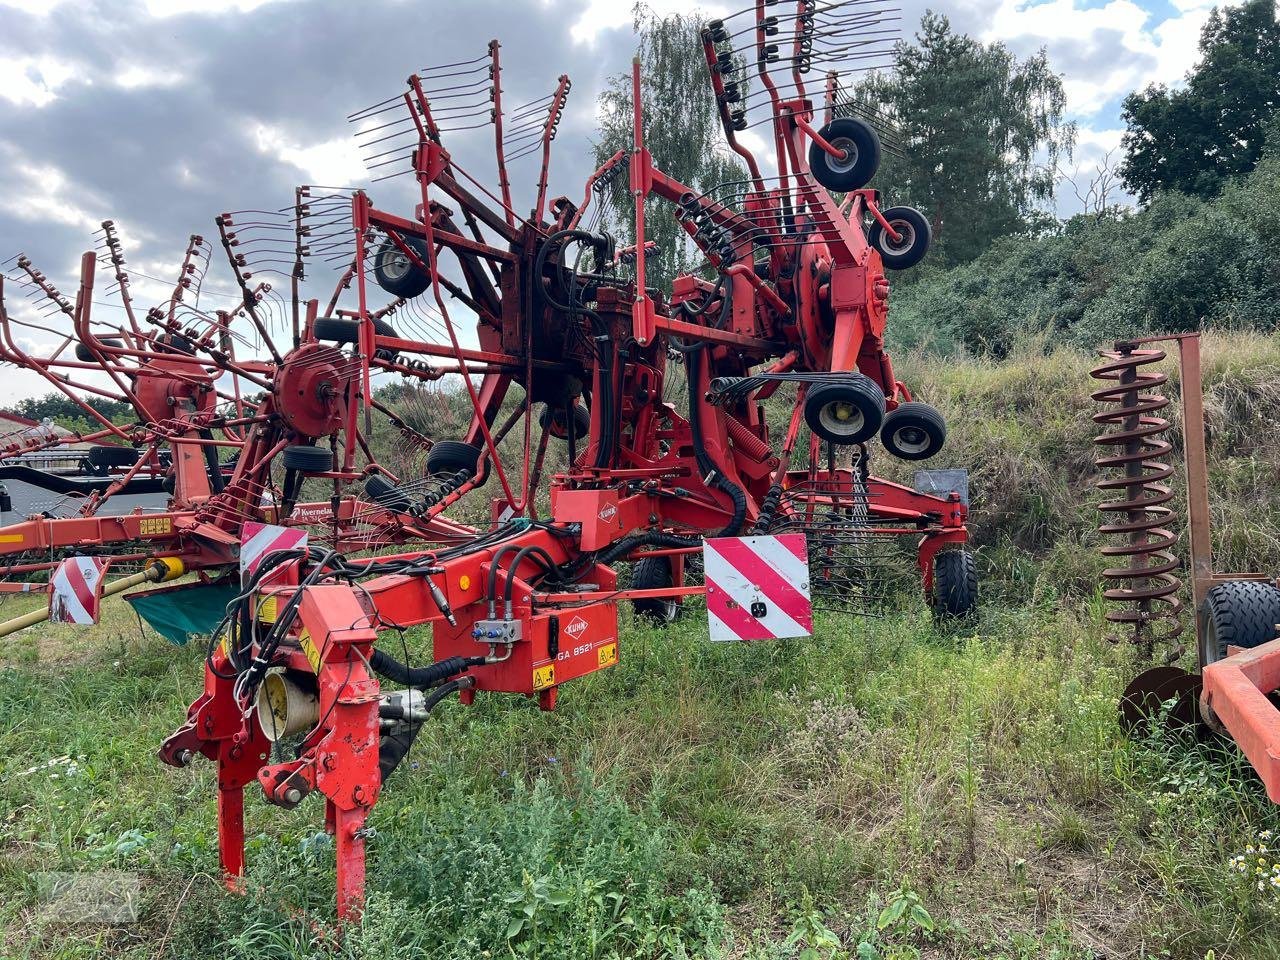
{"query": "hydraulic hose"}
pixel 213 466
pixel 420 677
pixel 535 551
pixel 651 538
pixel 705 463
pixel 609 416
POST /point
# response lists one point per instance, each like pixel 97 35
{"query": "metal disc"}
pixel 1150 690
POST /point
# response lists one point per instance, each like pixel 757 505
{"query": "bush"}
pixel 1179 264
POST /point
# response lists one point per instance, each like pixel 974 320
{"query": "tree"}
pixel 1195 138
pixel 1096 196
pixel 681 128
pixel 980 136
pixel 61 410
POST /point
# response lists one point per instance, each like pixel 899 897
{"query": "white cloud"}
pixel 38 8
pixel 1113 49
pixel 1092 143
pixel 43 193
pixel 34 81
pixel 601 15
pixel 174 8
pixel 331 163
pixel 137 76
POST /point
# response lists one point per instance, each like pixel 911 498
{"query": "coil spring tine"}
pixel 1135 469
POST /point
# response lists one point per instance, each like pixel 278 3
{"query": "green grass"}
pixel 699 800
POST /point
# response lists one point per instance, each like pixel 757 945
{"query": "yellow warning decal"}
pixel 154 526
pixel 608 654
pixel 11 538
pixel 309 648
pixel 544 677
pixel 268 610
pixel 224 646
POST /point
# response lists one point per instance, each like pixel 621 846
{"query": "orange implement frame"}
pixel 1234 698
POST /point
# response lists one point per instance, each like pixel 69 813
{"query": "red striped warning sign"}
pixel 758 587
pixel 259 539
pixel 75 590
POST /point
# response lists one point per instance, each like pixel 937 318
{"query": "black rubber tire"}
pixel 859 139
pixel 450 456
pixel 175 343
pixel 913 431
pixel 385 493
pixel 85 355
pixel 395 274
pixel 855 399
pixel 1238 613
pixel 581 422
pixel 106 456
pixel 913 243
pixel 654 573
pixel 306 458
pixel 955 585
pixel 347 329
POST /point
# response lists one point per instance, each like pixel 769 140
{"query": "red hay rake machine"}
pixel 1233 690
pixel 791 299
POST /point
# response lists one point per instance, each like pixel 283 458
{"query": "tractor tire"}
pixel 107 457
pixel 654 573
pixel 913 431
pixel 861 145
pixel 554 422
pixel 450 456
pixel 306 458
pixel 955 586
pixel 845 411
pixel 385 493
pixel 914 237
pixel 1238 613
pixel 395 274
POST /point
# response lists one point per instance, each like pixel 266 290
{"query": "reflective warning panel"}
pixel 259 539
pixel 758 587
pixel 75 590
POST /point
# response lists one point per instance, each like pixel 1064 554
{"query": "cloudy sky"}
pixel 162 113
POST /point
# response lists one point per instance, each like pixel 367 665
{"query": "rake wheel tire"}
pixel 1238 613
pixel 654 573
pixel 174 343
pixel 343 330
pixel 913 241
pixel 395 274
pixel 862 155
pixel 955 585
pixel 106 457
pixel 306 458
pixel 385 493
pixel 913 431
pixel 85 355
pixel 845 411
pixel 450 456
pixel 552 419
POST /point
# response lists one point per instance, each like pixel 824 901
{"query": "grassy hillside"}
pixel 882 790
pixel 1022 427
